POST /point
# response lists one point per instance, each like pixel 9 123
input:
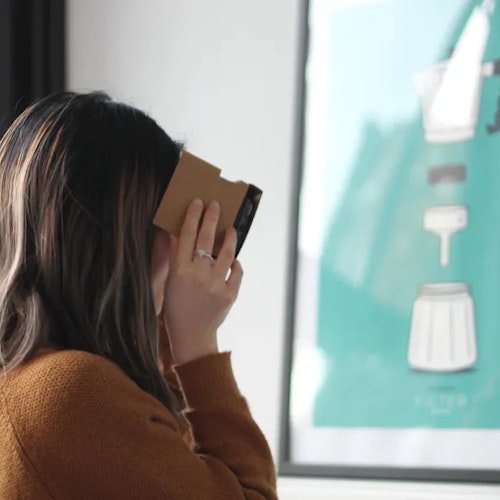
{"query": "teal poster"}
pixel 398 290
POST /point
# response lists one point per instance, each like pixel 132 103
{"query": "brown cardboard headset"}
pixel 195 178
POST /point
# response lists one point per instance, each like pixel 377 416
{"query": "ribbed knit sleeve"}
pixel 90 432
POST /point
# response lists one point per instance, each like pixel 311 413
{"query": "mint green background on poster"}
pixel 375 251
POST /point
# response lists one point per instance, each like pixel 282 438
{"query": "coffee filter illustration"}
pixel 444 222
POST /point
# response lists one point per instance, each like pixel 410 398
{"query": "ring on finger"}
pixel 203 254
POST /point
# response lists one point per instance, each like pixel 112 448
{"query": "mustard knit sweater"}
pixel 73 425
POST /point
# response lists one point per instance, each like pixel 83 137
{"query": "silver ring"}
pixel 203 254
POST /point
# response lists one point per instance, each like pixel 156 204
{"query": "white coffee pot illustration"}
pixel 443 330
pixel 451 90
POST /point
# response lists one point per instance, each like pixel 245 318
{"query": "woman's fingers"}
pixel 234 281
pixel 189 232
pixel 206 236
pixel 227 252
pixel 193 237
pixel 174 247
pixel 198 296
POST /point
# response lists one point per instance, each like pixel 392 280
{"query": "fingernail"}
pixel 215 204
pixel 198 203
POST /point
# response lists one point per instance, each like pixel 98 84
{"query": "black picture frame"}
pixel 286 467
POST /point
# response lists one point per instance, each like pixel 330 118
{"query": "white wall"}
pixel 221 75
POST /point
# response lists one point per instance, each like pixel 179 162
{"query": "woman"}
pixel 86 285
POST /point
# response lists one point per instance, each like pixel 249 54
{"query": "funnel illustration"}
pixel 445 221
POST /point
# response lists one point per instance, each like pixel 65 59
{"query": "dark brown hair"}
pixel 80 179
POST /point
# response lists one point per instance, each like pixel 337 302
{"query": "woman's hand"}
pixel 198 294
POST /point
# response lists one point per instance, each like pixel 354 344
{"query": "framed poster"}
pixel 393 346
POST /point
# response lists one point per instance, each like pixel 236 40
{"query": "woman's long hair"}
pixel 80 179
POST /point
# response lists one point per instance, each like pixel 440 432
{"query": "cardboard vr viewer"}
pixel 196 178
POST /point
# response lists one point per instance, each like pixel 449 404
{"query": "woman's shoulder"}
pixel 52 368
pixel 56 381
